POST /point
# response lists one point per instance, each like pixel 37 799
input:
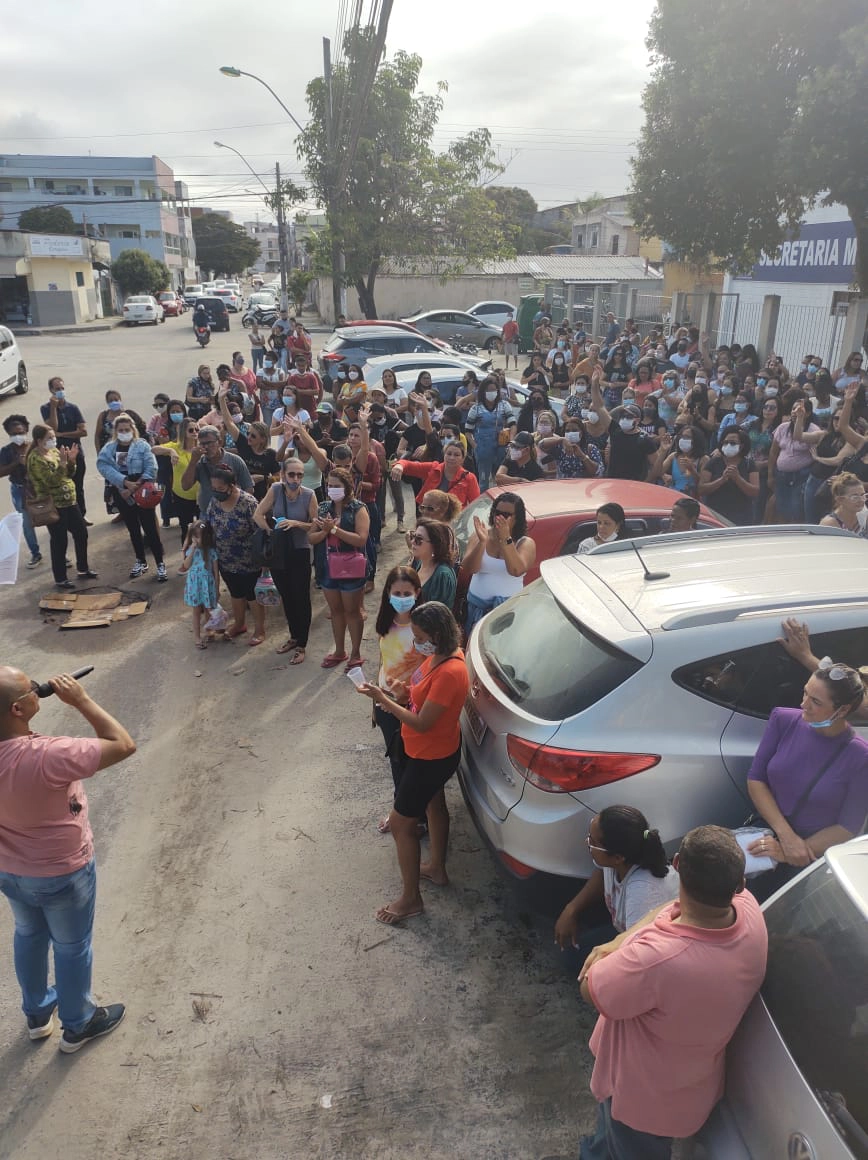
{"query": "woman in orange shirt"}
pixel 429 708
pixel 450 476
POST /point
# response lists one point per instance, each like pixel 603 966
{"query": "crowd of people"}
pixel 278 482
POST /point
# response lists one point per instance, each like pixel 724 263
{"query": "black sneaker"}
pixel 138 569
pixel 42 1027
pixel 35 560
pixel 64 584
pixel 105 1020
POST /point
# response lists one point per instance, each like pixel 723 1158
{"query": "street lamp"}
pixel 281 224
pixel 229 71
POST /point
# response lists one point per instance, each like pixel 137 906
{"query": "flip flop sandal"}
pixel 354 663
pixel 255 640
pixel 299 657
pixel 288 647
pixel 332 660
pixel 389 918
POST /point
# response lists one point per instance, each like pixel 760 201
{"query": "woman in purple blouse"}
pixel 809 778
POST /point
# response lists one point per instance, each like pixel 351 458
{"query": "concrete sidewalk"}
pixel 62 331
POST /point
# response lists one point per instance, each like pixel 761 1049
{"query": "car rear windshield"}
pixel 816 993
pixel 545 660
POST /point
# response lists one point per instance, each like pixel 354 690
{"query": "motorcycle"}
pixel 261 316
pixel 203 335
pixel 459 344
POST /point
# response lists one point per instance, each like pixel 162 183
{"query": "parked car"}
pixel 215 307
pixel 373 368
pixel 449 324
pixel 645 672
pixel 796 1066
pixel 560 513
pixel 172 303
pixel 359 344
pixel 143 308
pixel 493 313
pixel 232 300
pixel 445 380
pixel 263 298
pixel 191 293
pixel 13 373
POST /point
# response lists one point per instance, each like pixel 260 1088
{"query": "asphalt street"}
pixel 268 1014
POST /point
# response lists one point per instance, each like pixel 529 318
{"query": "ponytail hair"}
pixel 625 832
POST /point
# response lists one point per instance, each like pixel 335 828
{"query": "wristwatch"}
pixel 509 540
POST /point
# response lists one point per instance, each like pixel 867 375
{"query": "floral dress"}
pixel 233 532
pixel 200 588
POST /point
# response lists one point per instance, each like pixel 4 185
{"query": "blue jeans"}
pixel 18 504
pixel 615 1141
pixel 57 911
pixel 257 354
pixel 790 495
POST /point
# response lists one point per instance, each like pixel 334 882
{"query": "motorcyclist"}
pixel 200 318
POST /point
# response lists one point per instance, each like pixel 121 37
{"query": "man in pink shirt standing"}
pixel 47 868
pixel 670 992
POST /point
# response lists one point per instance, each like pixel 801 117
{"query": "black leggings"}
pixel 292 581
pixel 186 510
pixel 140 520
pixel 71 523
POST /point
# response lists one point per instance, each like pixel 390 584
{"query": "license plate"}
pixel 477 725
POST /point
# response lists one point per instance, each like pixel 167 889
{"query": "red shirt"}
pixel 465 485
pixel 510 330
pixel 308 388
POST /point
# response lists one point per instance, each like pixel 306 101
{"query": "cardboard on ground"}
pixel 92 609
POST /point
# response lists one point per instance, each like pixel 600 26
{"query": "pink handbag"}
pixel 346 565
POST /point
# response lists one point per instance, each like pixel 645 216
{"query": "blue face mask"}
pixel 740 408
pixel 177 416
pixel 60 396
pixel 726 390
pixel 115 405
pixel 761 382
pixel 426 647
pixel 403 603
pixel 822 724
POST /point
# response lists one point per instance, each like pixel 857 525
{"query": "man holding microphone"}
pixel 47 867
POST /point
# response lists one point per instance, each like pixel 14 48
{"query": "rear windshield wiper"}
pixel 507 676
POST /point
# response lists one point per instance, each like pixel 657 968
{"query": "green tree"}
pixel 518 212
pixel 754 113
pixel 136 272
pixel 398 198
pixel 49 219
pixel 296 286
pixel 223 246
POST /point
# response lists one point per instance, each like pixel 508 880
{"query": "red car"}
pixel 172 303
pixel 560 513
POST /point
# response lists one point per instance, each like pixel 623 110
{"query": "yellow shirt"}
pixel 178 470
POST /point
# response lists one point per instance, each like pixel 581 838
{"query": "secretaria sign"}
pixel 824 252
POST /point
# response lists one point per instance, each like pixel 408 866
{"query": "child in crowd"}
pixel 202 585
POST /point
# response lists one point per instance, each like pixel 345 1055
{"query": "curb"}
pixel 62 331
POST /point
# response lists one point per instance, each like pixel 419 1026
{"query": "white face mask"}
pixel 573 436
pixel 352 376
pixel 515 453
pixel 544 428
pixel 50 444
pixel 700 382
pixel 731 450
pixel 685 444
pixel 491 396
pixel 335 493
pixel 124 436
pixel 19 440
pixel 559 362
pixel 426 647
pixel 626 424
pixel 770 392
pixel 591 416
pixel 607 539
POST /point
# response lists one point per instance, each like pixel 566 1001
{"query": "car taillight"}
pixel 569 770
pixel 514 866
pixel 332 357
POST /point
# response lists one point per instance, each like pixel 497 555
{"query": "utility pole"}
pixel 281 241
pixel 338 260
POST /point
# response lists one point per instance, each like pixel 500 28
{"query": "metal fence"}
pixel 812 330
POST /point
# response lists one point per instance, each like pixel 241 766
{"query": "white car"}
pixel 232 300
pixel 424 361
pixel 264 298
pixel 143 308
pixel 494 313
pixel 13 374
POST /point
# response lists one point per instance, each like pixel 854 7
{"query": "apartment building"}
pixel 130 202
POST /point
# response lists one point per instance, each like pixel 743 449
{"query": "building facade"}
pixel 129 202
pixel 53 279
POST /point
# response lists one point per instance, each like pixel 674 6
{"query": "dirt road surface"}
pixel 268 1014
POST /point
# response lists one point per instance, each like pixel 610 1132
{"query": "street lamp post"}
pixel 229 71
pixel 281 223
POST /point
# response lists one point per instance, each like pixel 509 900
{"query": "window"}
pixel 636 526
pixel 123 191
pixel 153 233
pixel 580 241
pixel 77 190
pixel 544 660
pixel 79 278
pixel 756 680
pixel 129 233
pixel 594 239
pixel 814 990
pixel 5 186
pixel 615 243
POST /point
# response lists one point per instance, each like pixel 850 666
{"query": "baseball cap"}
pixel 523 439
pixel 324 408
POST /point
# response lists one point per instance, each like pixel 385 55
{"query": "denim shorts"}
pixel 340 585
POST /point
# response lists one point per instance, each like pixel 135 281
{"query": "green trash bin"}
pixel 527 307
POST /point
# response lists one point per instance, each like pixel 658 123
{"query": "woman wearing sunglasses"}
pixel 809 778
pixel 432 545
pixel 287 511
pixel 497 558
pixel 631 876
pixel 450 475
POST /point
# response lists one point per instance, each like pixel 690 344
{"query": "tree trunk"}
pixel 366 291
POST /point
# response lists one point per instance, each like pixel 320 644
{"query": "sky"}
pixel 560 92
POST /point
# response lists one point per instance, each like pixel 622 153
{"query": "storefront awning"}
pixel 13 267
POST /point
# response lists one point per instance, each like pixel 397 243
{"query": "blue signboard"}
pixel 824 252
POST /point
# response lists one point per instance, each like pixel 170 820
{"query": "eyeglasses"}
pixel 591 846
pixel 34 688
pixel 294 474
pixel 419 540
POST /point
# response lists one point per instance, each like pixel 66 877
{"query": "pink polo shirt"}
pixel 670 1000
pixel 42 832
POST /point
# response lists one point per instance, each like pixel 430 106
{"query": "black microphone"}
pixel 45 690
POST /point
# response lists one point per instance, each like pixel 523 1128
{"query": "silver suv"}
pixel 796 1068
pixel 644 672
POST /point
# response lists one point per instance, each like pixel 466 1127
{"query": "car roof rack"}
pixel 741 533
